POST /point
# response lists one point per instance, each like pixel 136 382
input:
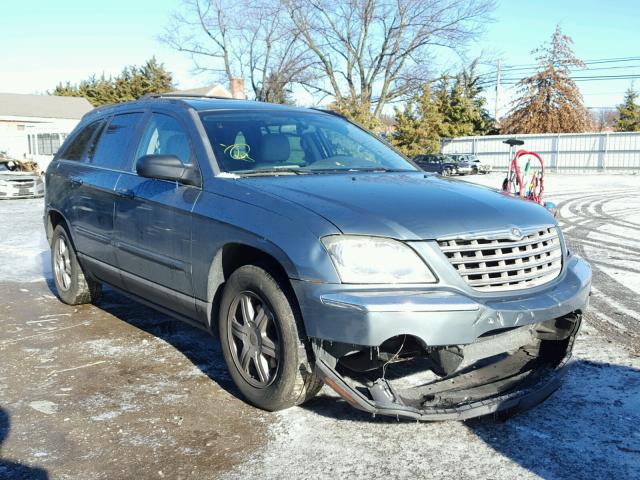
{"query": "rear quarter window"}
pixel 112 148
pixel 78 144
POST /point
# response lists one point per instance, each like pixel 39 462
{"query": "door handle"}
pixel 75 181
pixel 125 193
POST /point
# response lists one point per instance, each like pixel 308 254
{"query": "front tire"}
pixel 263 343
pixel 72 285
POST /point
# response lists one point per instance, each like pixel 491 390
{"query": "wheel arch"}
pixel 53 219
pixel 234 255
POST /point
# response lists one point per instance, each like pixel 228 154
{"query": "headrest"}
pixel 274 148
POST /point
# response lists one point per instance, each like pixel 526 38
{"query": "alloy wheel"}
pixel 62 264
pixel 253 339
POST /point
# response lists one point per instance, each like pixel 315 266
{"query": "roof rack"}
pixel 184 95
pixel 328 111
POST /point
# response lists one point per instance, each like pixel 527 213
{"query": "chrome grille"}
pixel 502 264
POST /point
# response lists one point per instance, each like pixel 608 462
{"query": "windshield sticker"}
pixel 238 151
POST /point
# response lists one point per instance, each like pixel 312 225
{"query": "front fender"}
pixel 291 238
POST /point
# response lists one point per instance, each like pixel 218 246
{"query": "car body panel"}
pixel 249 217
pixel 438 315
pixel 153 235
pixel 88 195
pixel 404 206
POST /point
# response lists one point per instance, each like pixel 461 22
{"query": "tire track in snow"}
pixel 581 218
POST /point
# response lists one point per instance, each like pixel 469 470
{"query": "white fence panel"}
pixel 579 152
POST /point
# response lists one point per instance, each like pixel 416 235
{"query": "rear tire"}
pixel 72 285
pixel 263 341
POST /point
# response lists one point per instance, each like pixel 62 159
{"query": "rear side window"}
pixel 165 136
pixel 78 145
pixel 112 148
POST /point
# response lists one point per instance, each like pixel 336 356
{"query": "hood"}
pixel 405 206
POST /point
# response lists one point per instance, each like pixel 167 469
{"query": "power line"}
pixel 535 67
pixel 514 81
pixel 585 78
pixel 588 62
pixel 586 69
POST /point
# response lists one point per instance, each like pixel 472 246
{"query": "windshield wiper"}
pixel 377 169
pixel 362 169
pixel 271 171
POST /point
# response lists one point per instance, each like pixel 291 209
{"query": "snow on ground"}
pixel 25 252
pixel 590 428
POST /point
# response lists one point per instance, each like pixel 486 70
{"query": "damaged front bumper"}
pixel 488 353
pixel 498 377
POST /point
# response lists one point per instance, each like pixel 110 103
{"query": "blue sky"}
pixel 44 42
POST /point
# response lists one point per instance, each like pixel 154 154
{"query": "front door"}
pixel 153 222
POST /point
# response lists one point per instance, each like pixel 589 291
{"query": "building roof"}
pixel 210 91
pixel 48 106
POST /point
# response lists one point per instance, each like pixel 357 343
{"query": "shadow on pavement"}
pixel 14 470
pixel 590 425
pixel 198 346
pixel 202 349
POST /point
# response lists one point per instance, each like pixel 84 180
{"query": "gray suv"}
pixel 316 254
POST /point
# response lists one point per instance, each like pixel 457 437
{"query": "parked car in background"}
pixel 18 180
pixel 316 253
pixel 477 165
pixel 437 163
pixel 463 166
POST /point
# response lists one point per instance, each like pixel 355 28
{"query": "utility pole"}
pixel 497 90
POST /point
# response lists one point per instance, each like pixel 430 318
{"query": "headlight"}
pixel 360 259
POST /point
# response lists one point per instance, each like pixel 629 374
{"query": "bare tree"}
pixel 549 101
pixel 604 119
pixel 241 39
pixel 372 52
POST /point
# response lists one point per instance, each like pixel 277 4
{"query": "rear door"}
pixel 153 221
pixel 94 184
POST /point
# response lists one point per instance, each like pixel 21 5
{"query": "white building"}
pixel 34 126
pixel 210 91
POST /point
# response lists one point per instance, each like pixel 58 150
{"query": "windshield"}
pixel 264 142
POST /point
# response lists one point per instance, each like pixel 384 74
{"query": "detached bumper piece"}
pixel 503 371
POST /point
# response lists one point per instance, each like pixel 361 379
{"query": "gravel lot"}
pixel 119 391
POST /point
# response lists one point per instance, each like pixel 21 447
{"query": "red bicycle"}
pixel 525 176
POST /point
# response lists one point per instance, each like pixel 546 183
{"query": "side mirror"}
pixel 167 167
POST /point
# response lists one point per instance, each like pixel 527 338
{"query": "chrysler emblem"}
pixel 516 233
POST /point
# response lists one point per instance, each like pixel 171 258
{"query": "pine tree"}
pixel 459 114
pixel 549 101
pixel 483 123
pixel 357 112
pixel 628 113
pixel 418 127
pixel 132 83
